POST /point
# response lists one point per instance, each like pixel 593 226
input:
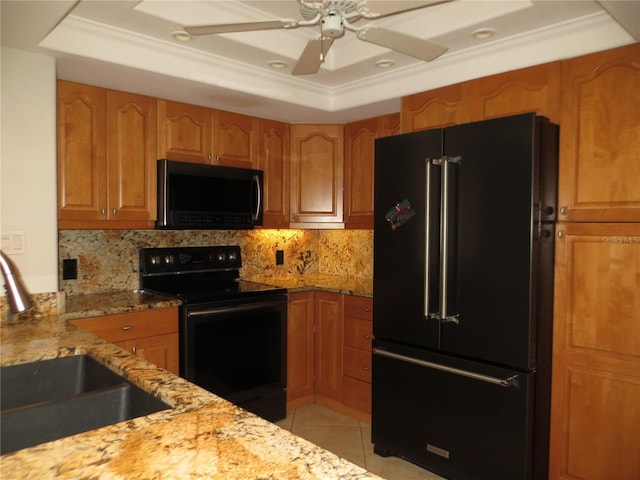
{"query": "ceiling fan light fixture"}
pixel 277 64
pixel 182 36
pixel 385 63
pixel 483 33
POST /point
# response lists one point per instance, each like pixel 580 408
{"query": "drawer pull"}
pixel 126 328
pixel 365 368
pixel 367 309
pixel 134 350
pixel 364 399
pixel 366 337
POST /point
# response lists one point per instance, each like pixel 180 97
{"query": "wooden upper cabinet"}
pixel 184 132
pixel 600 137
pixel 359 167
pixel 273 160
pixel 533 89
pixel 235 139
pixel 595 417
pixel 131 156
pixel 82 153
pixel 437 108
pixel 317 175
pixel 106 158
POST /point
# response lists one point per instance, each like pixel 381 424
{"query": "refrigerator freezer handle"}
pixel 511 381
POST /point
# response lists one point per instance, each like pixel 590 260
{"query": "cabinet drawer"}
pixel 129 326
pixel 357 364
pixel 358 333
pixel 358 307
pixel 356 394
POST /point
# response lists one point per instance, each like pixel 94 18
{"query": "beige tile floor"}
pixel 350 439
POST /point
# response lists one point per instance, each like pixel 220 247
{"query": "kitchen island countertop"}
pixel 202 437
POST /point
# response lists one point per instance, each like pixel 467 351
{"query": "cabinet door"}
pixel 82 161
pixel 131 157
pixel 161 350
pixel 235 139
pixel 300 349
pixel 533 89
pixel 600 137
pixel 184 132
pixel 595 419
pixel 317 175
pixel 359 159
pixel 273 160
pixel 437 108
pixel 328 345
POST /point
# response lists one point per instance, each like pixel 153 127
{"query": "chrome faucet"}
pixel 17 294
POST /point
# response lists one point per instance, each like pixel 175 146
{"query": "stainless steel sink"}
pixel 52 399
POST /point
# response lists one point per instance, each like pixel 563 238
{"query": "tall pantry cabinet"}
pixel 595 424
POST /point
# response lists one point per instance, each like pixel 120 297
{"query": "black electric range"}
pixel 232 333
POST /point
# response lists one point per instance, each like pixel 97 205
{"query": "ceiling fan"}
pixel 333 17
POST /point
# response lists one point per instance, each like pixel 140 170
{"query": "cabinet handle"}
pixel 367 309
pixel 115 211
pixel 364 399
pixel 365 368
pixel 103 211
pixel 126 328
pixel 560 234
pixel 563 210
pixel 366 337
pixel 134 350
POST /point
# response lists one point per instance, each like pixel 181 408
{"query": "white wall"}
pixel 28 164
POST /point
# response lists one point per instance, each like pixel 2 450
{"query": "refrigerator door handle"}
pixel 427 231
pixel 511 381
pixel 445 317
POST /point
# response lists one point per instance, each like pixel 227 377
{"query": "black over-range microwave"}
pixel 199 196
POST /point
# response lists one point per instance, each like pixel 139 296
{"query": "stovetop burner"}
pixel 198 274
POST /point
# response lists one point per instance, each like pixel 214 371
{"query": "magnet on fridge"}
pixel 399 214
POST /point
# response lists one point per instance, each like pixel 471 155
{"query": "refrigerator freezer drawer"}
pixel 461 420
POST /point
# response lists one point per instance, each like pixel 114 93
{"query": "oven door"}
pixel 237 350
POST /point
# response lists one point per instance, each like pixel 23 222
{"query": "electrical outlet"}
pixel 279 257
pixel 69 269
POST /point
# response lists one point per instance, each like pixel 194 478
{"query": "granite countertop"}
pixel 319 281
pixel 202 437
pixel 111 303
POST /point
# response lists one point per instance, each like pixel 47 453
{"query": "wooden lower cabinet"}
pixel 328 345
pixel 358 334
pixel 329 352
pixel 150 334
pixel 300 349
pixel 595 417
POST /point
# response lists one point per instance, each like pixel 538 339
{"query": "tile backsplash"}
pixel 108 259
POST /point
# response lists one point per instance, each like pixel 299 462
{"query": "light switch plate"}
pixel 13 242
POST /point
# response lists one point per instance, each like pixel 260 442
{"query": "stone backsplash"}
pixel 108 259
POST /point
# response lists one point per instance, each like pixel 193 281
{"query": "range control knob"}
pixel 233 256
pixel 221 257
pixel 168 259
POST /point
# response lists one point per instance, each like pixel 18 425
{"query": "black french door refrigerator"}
pixel 463 297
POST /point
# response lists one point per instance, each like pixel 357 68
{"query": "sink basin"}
pixel 52 399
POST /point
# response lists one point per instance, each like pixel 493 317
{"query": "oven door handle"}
pixel 235 308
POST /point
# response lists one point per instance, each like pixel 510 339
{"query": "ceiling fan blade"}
pixel 240 27
pixel 400 42
pixel 311 59
pixel 382 8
